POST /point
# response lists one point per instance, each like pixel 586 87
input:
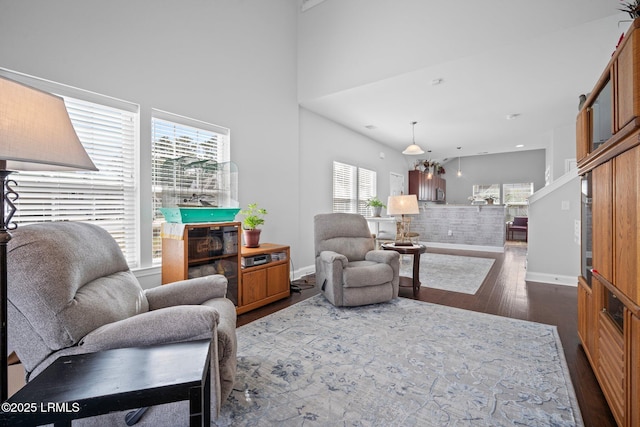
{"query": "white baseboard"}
pixel 462 247
pixel 555 279
pixel 303 271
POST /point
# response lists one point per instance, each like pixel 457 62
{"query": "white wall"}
pixel 231 63
pixel 321 142
pixel 564 148
pixel 554 250
pixel 515 167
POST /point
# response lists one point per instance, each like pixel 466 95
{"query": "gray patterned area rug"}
pixel 449 272
pixel 403 363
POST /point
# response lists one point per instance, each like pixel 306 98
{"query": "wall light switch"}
pixel 565 205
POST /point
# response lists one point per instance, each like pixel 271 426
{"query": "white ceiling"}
pixel 555 50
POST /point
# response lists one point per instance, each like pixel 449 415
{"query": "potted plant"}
pixel 490 200
pixel 376 206
pixel 253 217
pixel 632 8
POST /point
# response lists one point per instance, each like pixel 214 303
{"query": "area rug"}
pixel 449 272
pixel 403 363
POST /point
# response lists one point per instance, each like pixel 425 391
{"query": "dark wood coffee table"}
pixel 414 250
pixel 91 384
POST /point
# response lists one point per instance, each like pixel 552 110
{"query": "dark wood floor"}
pixel 505 293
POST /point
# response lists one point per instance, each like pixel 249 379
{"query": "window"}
pixel 516 198
pixel 107 129
pixel 484 192
pixel 352 187
pixel 174 137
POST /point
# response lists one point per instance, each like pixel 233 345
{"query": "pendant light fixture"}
pixel 459 170
pixel 413 149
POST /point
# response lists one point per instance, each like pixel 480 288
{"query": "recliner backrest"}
pixel 344 233
pixel 65 279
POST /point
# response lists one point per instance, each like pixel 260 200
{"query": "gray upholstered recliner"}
pixel 349 272
pixel 70 291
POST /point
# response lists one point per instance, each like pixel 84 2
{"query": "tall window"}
pixel 175 137
pixel 516 198
pixel 352 187
pixel 107 129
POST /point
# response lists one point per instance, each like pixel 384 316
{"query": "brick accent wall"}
pixel 470 225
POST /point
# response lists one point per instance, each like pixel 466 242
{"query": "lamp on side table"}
pixel 35 134
pixel 404 204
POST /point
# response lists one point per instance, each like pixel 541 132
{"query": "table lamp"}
pixel 404 204
pixel 36 134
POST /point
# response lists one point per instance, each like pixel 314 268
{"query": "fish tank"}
pixel 197 190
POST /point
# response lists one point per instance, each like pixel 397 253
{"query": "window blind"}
pixel 175 137
pixel 352 188
pixel 345 191
pixel 106 197
pixel 366 189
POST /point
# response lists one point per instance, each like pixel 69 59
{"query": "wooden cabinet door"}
pixel 426 191
pixel 632 341
pixel 610 365
pixel 627 97
pixel 277 279
pixel 586 316
pixel 582 134
pixel 254 286
pixel 415 183
pixel 602 210
pixel 626 222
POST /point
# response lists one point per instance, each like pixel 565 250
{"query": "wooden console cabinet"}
pixel 201 249
pixel 608 153
pixel 264 283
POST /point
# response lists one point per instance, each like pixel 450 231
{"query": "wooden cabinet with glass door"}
pixel 201 249
pixel 608 153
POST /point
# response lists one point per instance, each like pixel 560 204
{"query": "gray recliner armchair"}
pixel 349 272
pixel 70 291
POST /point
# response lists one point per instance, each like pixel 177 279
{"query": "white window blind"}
pixel 366 189
pixel 105 197
pixel 175 137
pixel 352 187
pixel 345 191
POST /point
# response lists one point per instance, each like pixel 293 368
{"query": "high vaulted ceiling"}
pixel 457 68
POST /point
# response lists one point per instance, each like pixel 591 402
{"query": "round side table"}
pixel 414 250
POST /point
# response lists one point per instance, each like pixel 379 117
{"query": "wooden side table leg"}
pixel 416 273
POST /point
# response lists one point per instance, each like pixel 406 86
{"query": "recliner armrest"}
pixel 172 324
pixel 330 257
pixel 187 292
pixel 382 256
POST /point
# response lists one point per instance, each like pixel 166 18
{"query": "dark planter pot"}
pixel 252 238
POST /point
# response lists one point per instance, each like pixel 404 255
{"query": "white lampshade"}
pixel 406 204
pixel 413 150
pixel 36 132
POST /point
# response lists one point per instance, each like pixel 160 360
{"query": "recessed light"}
pixel 519 145
pixel 512 116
